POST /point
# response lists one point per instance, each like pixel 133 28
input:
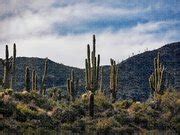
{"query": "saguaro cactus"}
pixel 101 81
pixel 92 68
pixel 71 87
pixel 27 80
pixel 34 80
pixel 13 77
pixel 7 64
pixel 43 84
pixel 77 85
pixel 91 105
pixel 113 79
pixel 156 79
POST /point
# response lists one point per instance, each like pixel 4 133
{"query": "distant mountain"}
pixel 57 73
pixel 133 72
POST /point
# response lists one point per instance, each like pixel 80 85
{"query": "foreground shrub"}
pixel 102 101
pixel 123 104
pixel 105 124
pixel 39 100
pixel 6 109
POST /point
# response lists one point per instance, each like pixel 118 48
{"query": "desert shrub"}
pixel 8 91
pixel 55 93
pixel 162 124
pixel 72 113
pixel 175 121
pixel 105 124
pixel 138 107
pixel 85 97
pixel 78 126
pixel 123 104
pixel 123 118
pixel 141 118
pixel 47 121
pixel 5 92
pixel 23 112
pixel 169 101
pixel 66 126
pixel 6 109
pixel 41 101
pixel 102 101
pixel 1 95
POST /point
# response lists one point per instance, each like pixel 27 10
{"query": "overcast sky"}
pixel 61 29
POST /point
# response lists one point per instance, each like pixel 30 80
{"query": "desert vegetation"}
pixel 38 108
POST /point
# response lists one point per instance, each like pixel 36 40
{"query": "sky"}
pixel 61 29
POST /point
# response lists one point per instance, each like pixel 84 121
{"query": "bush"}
pixel 6 109
pixel 39 100
pixel 78 126
pixel 138 107
pixel 123 118
pixel 123 104
pixel 104 125
pixel 102 101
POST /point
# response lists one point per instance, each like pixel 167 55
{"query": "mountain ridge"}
pixel 134 72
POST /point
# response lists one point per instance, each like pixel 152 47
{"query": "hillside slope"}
pixel 134 72
pixel 57 73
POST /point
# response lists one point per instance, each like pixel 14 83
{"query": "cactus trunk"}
pixel 113 79
pixel 91 105
pixel 13 77
pixel 71 87
pixel 43 83
pixel 101 81
pixel 34 80
pixel 27 79
pixel 7 69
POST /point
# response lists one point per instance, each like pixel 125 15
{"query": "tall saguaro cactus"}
pixel 34 80
pixel 113 79
pixel 43 84
pixel 101 81
pixel 92 68
pixel 156 79
pixel 9 64
pixel 13 77
pixel 71 87
pixel 27 79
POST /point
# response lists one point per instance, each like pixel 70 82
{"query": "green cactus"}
pixel 34 80
pixel 156 79
pixel 91 105
pixel 9 64
pixel 77 85
pixel 101 80
pixel 13 77
pixel 71 87
pixel 113 79
pixel 92 68
pixel 27 79
pixel 43 83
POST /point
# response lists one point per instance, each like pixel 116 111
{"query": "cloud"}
pixel 71 49
pixel 60 29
